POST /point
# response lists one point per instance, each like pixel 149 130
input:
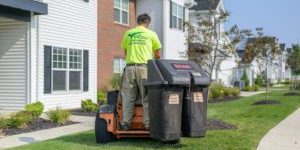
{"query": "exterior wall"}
pixel 174 39
pixel 225 73
pixel 69 24
pixel 110 35
pixel 13 64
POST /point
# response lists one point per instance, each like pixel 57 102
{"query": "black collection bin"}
pixel 173 108
pixel 194 113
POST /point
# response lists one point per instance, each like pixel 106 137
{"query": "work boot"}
pixel 124 126
pixel 146 127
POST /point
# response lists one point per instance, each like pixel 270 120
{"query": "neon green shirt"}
pixel 139 44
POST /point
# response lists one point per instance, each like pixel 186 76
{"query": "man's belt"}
pixel 136 64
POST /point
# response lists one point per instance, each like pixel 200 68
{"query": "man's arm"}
pixel 157 54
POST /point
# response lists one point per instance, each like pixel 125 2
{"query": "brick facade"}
pixel 110 35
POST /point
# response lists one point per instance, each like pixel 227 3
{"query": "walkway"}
pixel 247 94
pixel 285 136
pixel 86 123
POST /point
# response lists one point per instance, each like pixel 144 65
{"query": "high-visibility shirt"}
pixel 139 44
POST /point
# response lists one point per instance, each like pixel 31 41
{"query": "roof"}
pixel 205 4
pixel 26 5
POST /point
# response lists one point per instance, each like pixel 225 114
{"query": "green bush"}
pixel 101 97
pixel 36 110
pixel 227 91
pixel 116 81
pixel 235 92
pixel 58 115
pixel 259 80
pixel 286 82
pixel 3 123
pixel 19 119
pixel 251 88
pixel 216 90
pixel 255 87
pixel 245 78
pixel 89 106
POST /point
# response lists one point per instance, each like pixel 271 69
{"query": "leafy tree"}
pixel 263 48
pixel 245 78
pixel 259 80
pixel 293 62
pixel 208 43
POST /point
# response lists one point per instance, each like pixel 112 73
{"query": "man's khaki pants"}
pixel 132 85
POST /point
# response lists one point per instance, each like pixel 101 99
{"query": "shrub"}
pixel 89 106
pixel 58 115
pixel 216 90
pixel 259 80
pixel 255 87
pixel 36 110
pixel 3 123
pixel 235 92
pixel 19 119
pixel 101 97
pixel 227 91
pixel 116 81
pixel 245 78
pixel 286 82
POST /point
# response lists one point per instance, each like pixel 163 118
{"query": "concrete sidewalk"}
pixel 284 136
pixel 247 94
pixel 86 123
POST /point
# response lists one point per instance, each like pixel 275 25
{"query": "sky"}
pixel 280 18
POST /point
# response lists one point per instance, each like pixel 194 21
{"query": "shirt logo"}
pixel 131 35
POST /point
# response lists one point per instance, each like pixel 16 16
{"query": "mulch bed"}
pixel 80 112
pixel 41 124
pixel 267 102
pixel 291 94
pixel 224 99
pixel 214 124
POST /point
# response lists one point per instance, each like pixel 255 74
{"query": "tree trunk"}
pixel 267 81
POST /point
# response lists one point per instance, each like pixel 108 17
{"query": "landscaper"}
pixel 140 44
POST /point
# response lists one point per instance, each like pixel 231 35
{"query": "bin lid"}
pixel 176 72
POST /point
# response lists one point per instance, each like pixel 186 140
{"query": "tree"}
pixel 245 78
pixel 293 62
pixel 208 43
pixel 263 48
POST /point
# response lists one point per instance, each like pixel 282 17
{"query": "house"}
pixel 47 53
pixel 276 69
pixel 117 16
pixel 222 71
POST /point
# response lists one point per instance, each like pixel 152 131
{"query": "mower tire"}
pixel 102 135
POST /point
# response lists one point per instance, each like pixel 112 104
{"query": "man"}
pixel 140 44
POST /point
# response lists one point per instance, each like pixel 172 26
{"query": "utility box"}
pixel 170 84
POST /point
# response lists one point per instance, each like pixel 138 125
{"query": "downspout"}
pixel 37 55
pixel 164 27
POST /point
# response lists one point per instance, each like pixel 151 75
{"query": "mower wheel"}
pixel 102 135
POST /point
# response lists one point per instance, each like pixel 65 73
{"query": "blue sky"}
pixel 280 18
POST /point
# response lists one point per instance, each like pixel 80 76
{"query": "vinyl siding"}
pixel 13 60
pixel 69 24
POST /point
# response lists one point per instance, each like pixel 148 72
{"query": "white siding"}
pixel 69 24
pixel 154 9
pixel 13 60
pixel 174 40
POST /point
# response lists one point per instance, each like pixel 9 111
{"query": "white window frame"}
pixel 121 65
pixel 121 9
pixel 67 69
pixel 176 15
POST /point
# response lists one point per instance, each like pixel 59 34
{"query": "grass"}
pixel 253 123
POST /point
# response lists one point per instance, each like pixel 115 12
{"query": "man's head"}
pixel 144 20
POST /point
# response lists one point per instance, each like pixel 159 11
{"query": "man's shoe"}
pixel 124 126
pixel 146 127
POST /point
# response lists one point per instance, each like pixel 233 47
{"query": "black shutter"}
pixel 183 26
pixel 47 69
pixel 85 70
pixel 171 10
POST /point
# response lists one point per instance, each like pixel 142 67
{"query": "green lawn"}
pixel 253 123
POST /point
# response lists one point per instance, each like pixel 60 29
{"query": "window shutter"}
pixel 47 69
pixel 183 26
pixel 171 11
pixel 85 70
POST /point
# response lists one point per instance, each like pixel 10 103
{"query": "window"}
pixel 121 11
pixel 67 69
pixel 119 65
pixel 177 15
